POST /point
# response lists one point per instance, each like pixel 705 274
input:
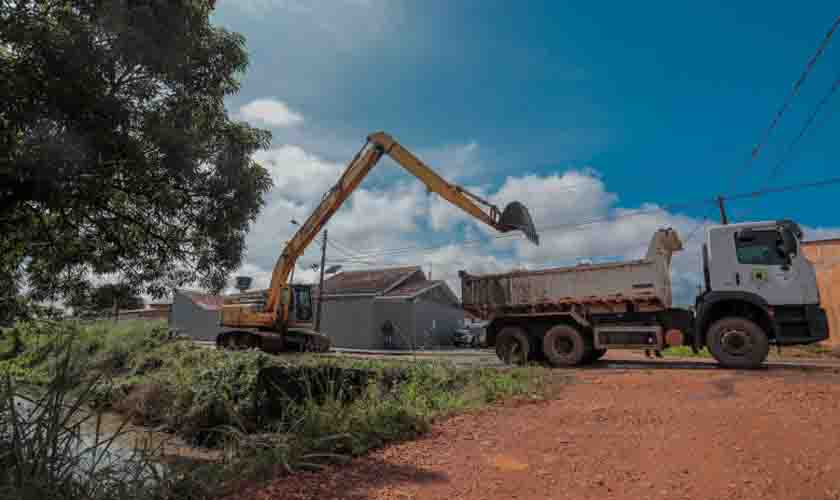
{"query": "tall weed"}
pixel 52 445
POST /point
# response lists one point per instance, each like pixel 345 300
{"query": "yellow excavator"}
pixel 285 321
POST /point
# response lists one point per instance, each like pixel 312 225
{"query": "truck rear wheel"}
pixel 512 346
pixel 737 343
pixel 565 345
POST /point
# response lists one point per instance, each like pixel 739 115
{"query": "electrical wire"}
pixel 788 153
pixel 380 255
pixel 793 93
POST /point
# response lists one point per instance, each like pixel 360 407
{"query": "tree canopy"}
pixel 117 155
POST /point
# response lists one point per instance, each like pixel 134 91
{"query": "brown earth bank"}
pixel 675 434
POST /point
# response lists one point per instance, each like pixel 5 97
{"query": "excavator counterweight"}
pixel 285 320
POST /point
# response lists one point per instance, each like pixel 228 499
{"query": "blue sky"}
pixel 588 109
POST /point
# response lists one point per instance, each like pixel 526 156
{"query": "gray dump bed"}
pixel 646 281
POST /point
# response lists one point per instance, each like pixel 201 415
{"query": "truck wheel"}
pixel 564 345
pixel 737 343
pixel 512 346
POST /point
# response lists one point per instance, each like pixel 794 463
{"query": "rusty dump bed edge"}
pixel 553 270
pixel 611 286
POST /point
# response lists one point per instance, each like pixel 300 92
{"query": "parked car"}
pixel 470 335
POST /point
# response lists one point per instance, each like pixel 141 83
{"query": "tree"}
pixel 106 299
pixel 117 155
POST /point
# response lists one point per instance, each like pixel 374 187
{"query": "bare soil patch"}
pixel 675 434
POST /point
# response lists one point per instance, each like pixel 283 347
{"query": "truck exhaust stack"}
pixel 516 216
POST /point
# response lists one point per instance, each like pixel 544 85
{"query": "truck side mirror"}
pixel 788 242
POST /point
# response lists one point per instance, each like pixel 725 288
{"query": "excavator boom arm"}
pixel 378 144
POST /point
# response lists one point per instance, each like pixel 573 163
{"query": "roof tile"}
pixel 372 281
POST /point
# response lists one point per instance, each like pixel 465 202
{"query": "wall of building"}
pixel 435 322
pixel 826 258
pixel 348 321
pixel 356 322
pixel 192 320
pixel 401 315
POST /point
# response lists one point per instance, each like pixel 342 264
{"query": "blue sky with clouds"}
pixel 580 110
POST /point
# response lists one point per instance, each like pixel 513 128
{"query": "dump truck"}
pixel 759 291
pixel 285 319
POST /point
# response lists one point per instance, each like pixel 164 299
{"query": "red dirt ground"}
pixel 657 434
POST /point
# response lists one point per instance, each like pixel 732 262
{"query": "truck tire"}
pixel 564 345
pixel 512 346
pixel 737 343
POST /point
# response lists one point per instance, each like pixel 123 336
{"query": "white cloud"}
pixel 399 214
pixel 297 174
pixel 558 198
pixel 270 111
pixel 454 161
pixel 394 217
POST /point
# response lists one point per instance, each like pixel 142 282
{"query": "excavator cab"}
pixel 302 305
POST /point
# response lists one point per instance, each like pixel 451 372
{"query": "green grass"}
pixel 208 396
pixel 686 352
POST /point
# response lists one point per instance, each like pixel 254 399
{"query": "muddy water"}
pixel 107 439
pixel 129 437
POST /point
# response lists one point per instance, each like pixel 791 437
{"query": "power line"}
pixel 787 155
pixel 343 246
pixel 379 255
pixel 571 225
pixel 794 91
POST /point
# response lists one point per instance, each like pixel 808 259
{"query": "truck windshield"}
pixel 761 248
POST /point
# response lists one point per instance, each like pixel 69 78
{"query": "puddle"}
pixel 106 440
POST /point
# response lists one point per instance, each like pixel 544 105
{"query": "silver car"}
pixel 471 335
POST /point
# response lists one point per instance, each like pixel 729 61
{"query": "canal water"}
pixel 107 440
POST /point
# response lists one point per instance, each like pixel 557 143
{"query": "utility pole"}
pixel 723 219
pixel 321 283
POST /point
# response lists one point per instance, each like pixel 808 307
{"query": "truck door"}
pixel 763 268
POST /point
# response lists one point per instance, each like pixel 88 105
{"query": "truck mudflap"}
pixel 817 322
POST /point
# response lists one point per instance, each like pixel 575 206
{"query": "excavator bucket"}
pixel 516 216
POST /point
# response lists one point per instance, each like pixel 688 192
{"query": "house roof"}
pixel 412 288
pixel 250 294
pixel 203 300
pixel 368 282
pixel 416 288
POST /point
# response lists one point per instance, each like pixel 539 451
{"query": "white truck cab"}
pixel 756 275
pixel 762 258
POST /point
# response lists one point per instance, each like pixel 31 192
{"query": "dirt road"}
pixel 658 434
